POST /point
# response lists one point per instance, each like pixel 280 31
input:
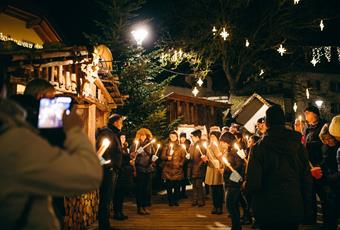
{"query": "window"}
pixel 334 86
pixel 335 108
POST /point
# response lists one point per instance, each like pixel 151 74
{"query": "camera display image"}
pixel 51 111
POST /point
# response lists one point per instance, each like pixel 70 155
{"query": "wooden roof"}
pixel 38 23
pixel 196 100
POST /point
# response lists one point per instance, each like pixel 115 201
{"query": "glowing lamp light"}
pixel 236 147
pixel 281 50
pixel 319 103
pixel 247 43
pixel 224 34
pixel 195 91
pixel 261 72
pixel 295 107
pixel 322 26
pixel 200 82
pixel 139 35
pixel 214 30
pixel 296 2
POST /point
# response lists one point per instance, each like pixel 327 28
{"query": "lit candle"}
pixel 240 152
pixel 199 149
pixel 136 144
pixel 151 142
pixel 158 146
pixel 226 162
pixel 184 147
pixel 103 147
pixel 247 137
pixel 300 119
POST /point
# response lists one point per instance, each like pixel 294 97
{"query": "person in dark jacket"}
pixel 313 145
pixel 141 158
pixel 196 168
pixel 114 154
pixel 233 186
pixel 184 141
pixel 330 178
pixel 278 176
pixel 124 182
pixel 173 156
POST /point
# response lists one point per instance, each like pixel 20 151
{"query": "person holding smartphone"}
pixel 32 170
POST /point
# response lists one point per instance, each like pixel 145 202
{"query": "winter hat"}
pixel 313 109
pixel 334 127
pixel 275 116
pixel 228 138
pixel 183 134
pixel 197 133
pixel 215 133
pixel 114 117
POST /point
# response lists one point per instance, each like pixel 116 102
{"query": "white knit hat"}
pixel 334 127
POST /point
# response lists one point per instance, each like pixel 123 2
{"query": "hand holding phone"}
pixel 71 120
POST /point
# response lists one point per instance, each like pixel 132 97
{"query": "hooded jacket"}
pixel 31 169
pixel 279 178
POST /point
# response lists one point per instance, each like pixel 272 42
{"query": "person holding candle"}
pixel 313 145
pixel 124 181
pixel 114 153
pixel 214 177
pixel 173 157
pixel 186 143
pixel 232 177
pixel 196 168
pixel 279 178
pixel 141 155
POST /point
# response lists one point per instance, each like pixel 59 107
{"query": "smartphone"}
pixel 51 112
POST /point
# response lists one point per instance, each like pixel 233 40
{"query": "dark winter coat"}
pixel 125 175
pixel 279 178
pixel 143 161
pixel 115 150
pixel 236 163
pixel 313 143
pixel 196 166
pixel 329 166
pixel 173 169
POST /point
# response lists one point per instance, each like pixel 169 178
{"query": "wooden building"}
pixel 195 110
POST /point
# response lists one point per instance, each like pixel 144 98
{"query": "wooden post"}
pixel 91 123
pixel 187 113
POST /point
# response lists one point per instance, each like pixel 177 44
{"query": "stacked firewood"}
pixel 81 211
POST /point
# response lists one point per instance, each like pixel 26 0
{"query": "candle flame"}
pixel 136 142
pixel 205 145
pixel 153 140
pixel 247 137
pixel 236 147
pixel 158 145
pixel 224 159
pixel 106 142
pixel 183 146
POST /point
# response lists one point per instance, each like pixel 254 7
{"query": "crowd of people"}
pixel 273 177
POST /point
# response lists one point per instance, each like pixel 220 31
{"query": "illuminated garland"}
pixel 19 42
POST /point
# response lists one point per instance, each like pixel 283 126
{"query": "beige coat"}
pixel 213 175
pixel 29 165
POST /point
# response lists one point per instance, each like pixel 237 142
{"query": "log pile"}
pixel 81 211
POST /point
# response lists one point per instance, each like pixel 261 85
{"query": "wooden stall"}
pixel 86 76
pixel 195 110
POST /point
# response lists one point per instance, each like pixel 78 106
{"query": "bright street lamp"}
pixel 139 35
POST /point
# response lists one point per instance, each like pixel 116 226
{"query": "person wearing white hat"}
pixel 334 127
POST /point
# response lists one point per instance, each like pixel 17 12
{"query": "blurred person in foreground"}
pixel 32 170
pixel 278 177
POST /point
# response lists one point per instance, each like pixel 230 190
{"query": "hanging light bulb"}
pixel 307 93
pixel 247 43
pixel 200 82
pixel 281 50
pixel 224 34
pixel 195 91
pixel 321 25
pixel 214 30
pixel 295 107
pixel 261 72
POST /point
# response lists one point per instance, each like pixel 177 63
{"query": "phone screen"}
pixel 51 112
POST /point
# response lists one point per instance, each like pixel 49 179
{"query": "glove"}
pixel 316 172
